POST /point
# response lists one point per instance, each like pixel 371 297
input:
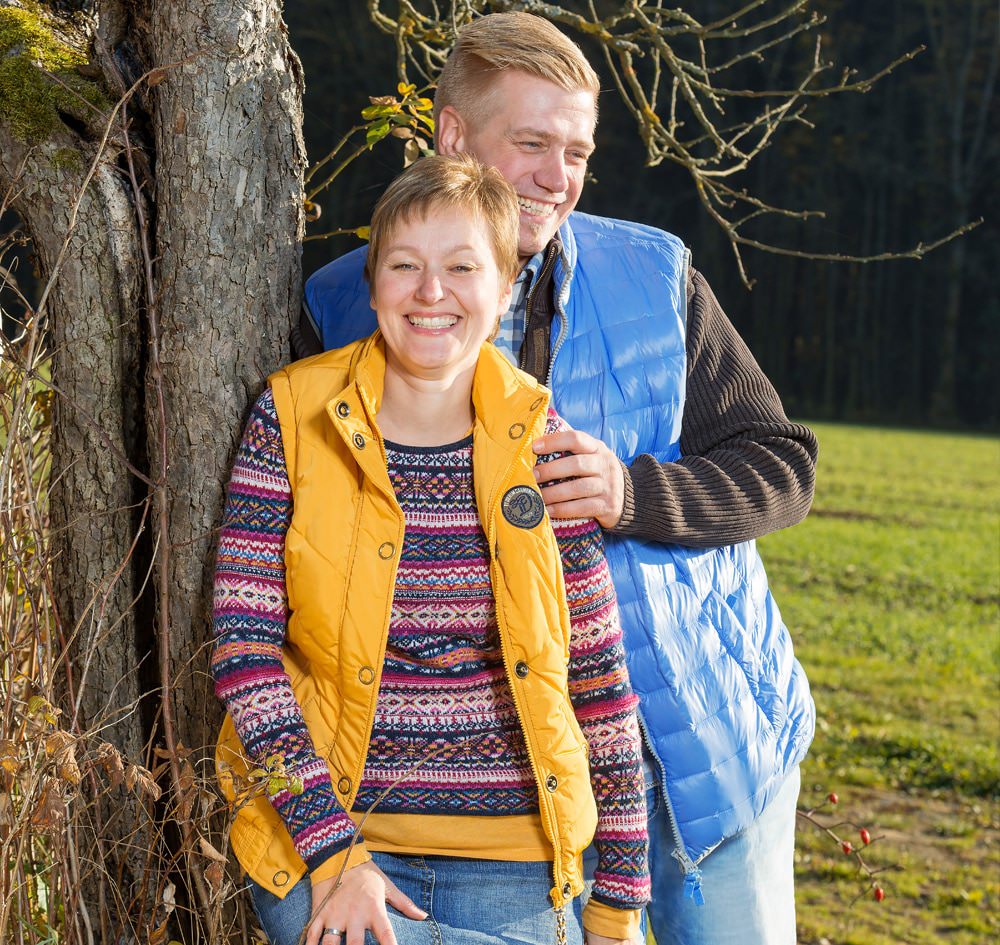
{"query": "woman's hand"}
pixel 356 905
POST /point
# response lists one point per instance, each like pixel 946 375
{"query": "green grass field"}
pixel 891 589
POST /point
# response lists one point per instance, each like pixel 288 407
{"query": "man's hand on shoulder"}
pixel 587 483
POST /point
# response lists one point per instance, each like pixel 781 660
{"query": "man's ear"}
pixel 451 132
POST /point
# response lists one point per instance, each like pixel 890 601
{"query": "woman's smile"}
pixel 438 294
pixel 432 322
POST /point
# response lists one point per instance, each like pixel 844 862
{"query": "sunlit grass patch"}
pixel 891 590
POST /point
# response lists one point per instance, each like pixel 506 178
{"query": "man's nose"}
pixel 553 174
pixel 429 288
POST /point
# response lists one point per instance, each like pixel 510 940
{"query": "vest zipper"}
pixel 563 327
pixel 544 800
pixel 547 265
pixel 376 436
pixel 692 875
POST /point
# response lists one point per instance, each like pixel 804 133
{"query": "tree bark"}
pixel 230 161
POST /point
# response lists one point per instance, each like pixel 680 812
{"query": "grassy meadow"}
pixel 891 589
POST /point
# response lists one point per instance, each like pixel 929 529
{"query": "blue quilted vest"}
pixel 724 704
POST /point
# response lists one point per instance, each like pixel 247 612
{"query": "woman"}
pixel 450 657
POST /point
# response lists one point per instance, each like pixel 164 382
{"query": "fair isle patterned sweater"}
pixel 443 684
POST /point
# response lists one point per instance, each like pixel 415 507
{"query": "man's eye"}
pixel 530 144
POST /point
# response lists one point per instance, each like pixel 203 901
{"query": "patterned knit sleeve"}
pixel 250 616
pixel 605 708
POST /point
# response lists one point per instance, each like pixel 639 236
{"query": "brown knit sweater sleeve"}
pixel 745 470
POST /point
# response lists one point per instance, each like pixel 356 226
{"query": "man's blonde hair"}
pixel 502 42
pixel 441 181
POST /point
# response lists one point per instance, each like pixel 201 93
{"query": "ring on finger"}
pixel 336 932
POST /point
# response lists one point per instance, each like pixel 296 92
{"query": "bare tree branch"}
pixel 648 48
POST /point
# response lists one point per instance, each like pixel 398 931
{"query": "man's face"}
pixel 540 137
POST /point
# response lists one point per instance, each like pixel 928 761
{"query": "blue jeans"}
pixel 747 882
pixel 468 902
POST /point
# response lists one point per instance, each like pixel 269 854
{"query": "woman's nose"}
pixel 429 288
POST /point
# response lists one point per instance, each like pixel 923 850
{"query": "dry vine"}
pixel 53 772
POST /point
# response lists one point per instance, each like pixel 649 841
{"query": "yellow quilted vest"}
pixel 341 553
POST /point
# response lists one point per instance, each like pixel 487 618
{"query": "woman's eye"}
pixel 402 266
pixel 462 267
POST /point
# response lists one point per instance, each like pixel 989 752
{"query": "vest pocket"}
pixel 731 617
pixel 315 600
pixel 265 850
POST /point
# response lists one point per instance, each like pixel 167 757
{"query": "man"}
pixel 681 451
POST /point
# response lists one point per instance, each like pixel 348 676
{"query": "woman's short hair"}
pixel 500 42
pixel 449 181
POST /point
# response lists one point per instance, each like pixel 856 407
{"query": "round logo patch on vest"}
pixel 522 506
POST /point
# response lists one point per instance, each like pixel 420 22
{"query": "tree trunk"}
pixel 168 310
pixel 230 161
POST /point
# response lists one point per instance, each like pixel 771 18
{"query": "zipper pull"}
pixel 692 887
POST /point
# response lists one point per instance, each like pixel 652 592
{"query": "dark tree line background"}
pixel 903 342
pixel 906 342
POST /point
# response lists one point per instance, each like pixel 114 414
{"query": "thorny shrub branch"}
pixel 867 872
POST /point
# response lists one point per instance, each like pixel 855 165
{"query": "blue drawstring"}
pixel 692 887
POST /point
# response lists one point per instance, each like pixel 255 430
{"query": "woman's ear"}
pixel 371 302
pixel 450 132
pixel 505 297
pixel 502 306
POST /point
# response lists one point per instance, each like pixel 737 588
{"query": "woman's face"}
pixel 437 293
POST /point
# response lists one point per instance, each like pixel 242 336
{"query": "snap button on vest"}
pixel 344 785
pixel 386 550
pixel 551 783
pixel 359 441
pixel 535 404
pixel 516 431
pixel 280 878
pixel 567 889
pixel 367 675
pixel 343 410
pixel 521 669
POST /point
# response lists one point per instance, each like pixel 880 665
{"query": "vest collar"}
pixel 564 273
pixel 508 404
